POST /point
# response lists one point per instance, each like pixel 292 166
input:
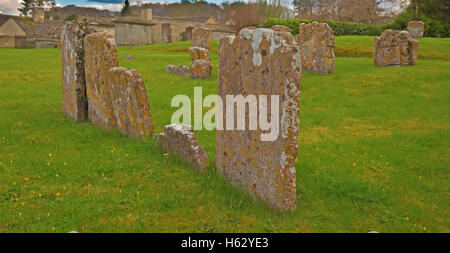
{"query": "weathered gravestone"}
pixel 180 140
pixel 100 55
pixel 130 102
pixel 73 78
pixel 201 69
pixel 261 62
pixel 415 29
pixel 201 37
pixel 395 48
pixel 199 53
pixel 180 70
pixel 316 41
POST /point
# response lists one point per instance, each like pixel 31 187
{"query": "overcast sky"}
pixel 10 6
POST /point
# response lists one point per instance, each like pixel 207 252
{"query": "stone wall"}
pixel 395 48
pixel 316 41
pixel 7 41
pixel 261 62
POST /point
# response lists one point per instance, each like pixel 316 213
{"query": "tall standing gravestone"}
pixel 100 54
pixel 316 41
pixel 261 62
pixel 395 48
pixel 201 37
pixel 73 78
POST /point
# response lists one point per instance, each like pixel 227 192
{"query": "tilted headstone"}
pixel 201 37
pixel 261 62
pixel 201 69
pixel 180 141
pixel 395 48
pixel 100 55
pixel 199 53
pixel 316 41
pixel 130 102
pixel 416 28
pixel 73 77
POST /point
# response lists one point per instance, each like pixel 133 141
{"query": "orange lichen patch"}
pixel 201 69
pixel 100 55
pixel 261 62
pixel 316 42
pixel 199 53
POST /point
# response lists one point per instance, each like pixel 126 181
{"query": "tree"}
pixel 240 15
pixel 125 8
pixel 26 7
pixel 435 9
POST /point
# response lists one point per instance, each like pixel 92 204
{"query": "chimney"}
pixel 146 13
pixel 38 14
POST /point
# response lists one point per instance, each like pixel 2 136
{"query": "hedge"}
pixel 432 28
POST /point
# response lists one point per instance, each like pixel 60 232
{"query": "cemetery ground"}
pixel 374 147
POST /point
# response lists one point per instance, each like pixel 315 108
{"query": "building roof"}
pixel 49 29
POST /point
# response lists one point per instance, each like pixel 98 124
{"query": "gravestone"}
pixel 316 41
pixel 100 55
pixel 395 48
pixel 261 61
pixel 180 70
pixel 201 69
pixel 201 37
pixel 73 78
pixel 180 140
pixel 130 102
pixel 199 53
pixel 415 29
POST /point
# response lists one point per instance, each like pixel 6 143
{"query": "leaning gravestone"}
pixel 201 37
pixel 130 102
pixel 415 29
pixel 180 140
pixel 395 48
pixel 100 55
pixel 261 62
pixel 316 41
pixel 73 78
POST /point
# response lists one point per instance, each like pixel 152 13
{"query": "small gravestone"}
pixel 415 29
pixel 395 48
pixel 180 70
pixel 201 69
pixel 201 37
pixel 316 41
pixel 130 102
pixel 261 62
pixel 180 140
pixel 73 78
pixel 100 55
pixel 199 53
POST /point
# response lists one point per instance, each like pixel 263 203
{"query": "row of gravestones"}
pixel 257 61
pixel 201 66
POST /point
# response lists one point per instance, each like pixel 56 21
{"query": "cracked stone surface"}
pixel 316 41
pixel 395 48
pixel 73 78
pixel 130 102
pixel 261 61
pixel 180 140
pixel 100 55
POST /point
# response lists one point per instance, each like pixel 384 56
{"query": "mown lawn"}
pixel 373 152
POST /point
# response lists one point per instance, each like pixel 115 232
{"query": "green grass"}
pixel 373 152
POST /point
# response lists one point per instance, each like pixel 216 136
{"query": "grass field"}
pixel 373 152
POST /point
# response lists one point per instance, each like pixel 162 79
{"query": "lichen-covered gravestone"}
pixel 180 70
pixel 199 53
pixel 100 55
pixel 261 62
pixel 73 78
pixel 316 41
pixel 415 29
pixel 130 102
pixel 201 69
pixel 201 37
pixel 180 140
pixel 395 48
